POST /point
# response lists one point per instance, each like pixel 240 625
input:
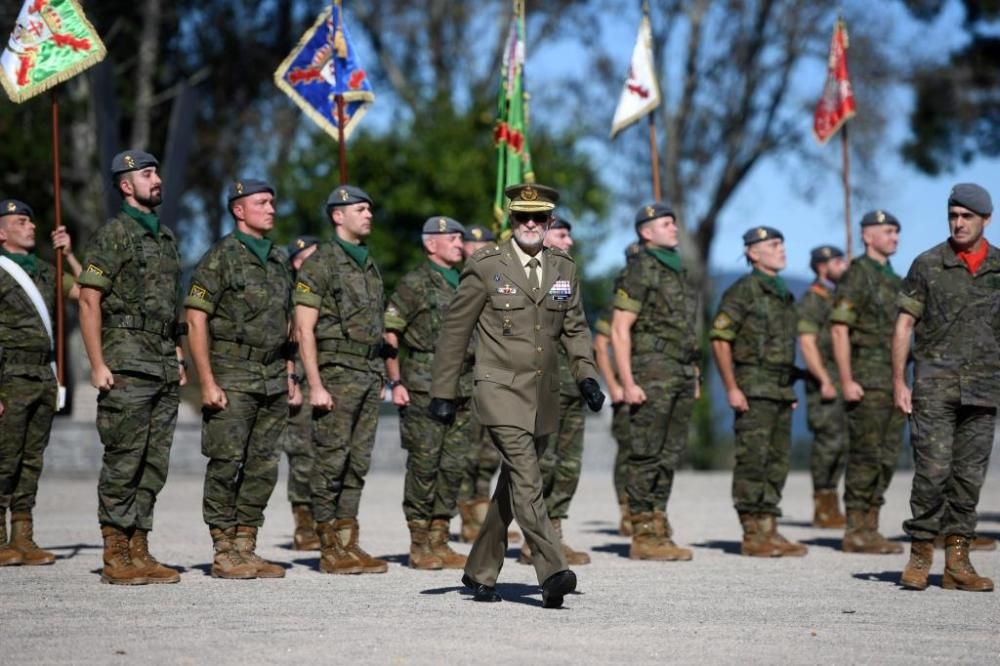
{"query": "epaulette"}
pixel 488 251
pixel 559 253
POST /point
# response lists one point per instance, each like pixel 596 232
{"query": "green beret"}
pixel 442 225
pixel 874 218
pixel 345 195
pixel 652 211
pixel 131 160
pixel 244 188
pixel 531 198
pixel 15 207
pixel 973 197
pixel 301 243
pixel 478 234
pixel 758 234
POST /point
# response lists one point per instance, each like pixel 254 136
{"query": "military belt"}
pixel 248 352
pixel 165 329
pixel 17 357
pixel 647 342
pixel 347 347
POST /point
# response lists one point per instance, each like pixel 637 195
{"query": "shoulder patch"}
pixel 622 293
pixel 392 310
pixel 95 270
pixel 722 321
pixel 844 304
pixel 303 288
pixel 197 291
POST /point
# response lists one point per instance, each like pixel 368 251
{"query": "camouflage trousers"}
pixel 342 441
pixel 483 464
pixel 620 432
pixel 951 453
pixel 298 446
pixel 828 424
pixel 241 444
pixel 437 460
pixel 875 429
pixel 136 421
pixel 24 434
pixel 658 437
pixel 563 458
pixel 763 439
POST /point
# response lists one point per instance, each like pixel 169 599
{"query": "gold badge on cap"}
pixel 762 233
pixel 239 187
pixel 442 224
pixel 11 206
pixel 129 162
pixel 880 217
pixel 300 243
pixel 650 211
pixel 529 193
pixel 477 234
pixel 344 196
pixel 826 252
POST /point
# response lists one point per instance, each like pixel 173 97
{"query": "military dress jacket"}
pixel 25 342
pixel 759 321
pixel 518 333
pixel 415 312
pixel 351 303
pixel 139 275
pixel 814 308
pixel 956 342
pixel 249 306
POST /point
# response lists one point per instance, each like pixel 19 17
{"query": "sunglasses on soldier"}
pixel 523 217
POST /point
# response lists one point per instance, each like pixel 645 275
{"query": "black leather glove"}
pixel 591 392
pixel 385 350
pixel 443 410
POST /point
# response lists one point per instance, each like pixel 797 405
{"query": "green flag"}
pixel 510 134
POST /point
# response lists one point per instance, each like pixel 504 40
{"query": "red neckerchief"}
pixel 974 258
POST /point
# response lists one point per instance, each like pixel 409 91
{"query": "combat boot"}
pixel 9 556
pixel 755 543
pixel 228 563
pixel 959 573
pixel 305 537
pixel 439 535
pixel 470 524
pixel 246 545
pixel 138 550
pixel 625 521
pixel 480 507
pixel 768 524
pixel 976 543
pixel 827 510
pixel 22 540
pixel 921 557
pixel 348 531
pixel 333 558
pixel 645 544
pixel 572 556
pixel 118 566
pixel 664 532
pixel 886 547
pixel 421 555
pixel 857 537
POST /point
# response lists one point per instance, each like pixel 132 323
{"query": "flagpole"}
pixel 655 156
pixel 847 189
pixel 57 189
pixel 339 98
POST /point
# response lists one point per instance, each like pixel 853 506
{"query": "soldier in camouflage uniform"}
pixel 437 458
pixel 862 319
pixel 238 313
pixel 753 339
pixel 825 409
pixel 657 354
pixel 951 300
pixel 339 306
pixel 563 459
pixel 298 445
pixel 28 391
pixel 129 300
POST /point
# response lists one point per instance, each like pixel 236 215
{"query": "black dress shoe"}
pixel 481 592
pixel 557 586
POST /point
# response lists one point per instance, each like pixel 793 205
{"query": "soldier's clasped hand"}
pixel 591 392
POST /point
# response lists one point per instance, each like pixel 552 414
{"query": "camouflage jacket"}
pixel 351 304
pixel 760 323
pixel 21 327
pixel 865 301
pixel 139 275
pixel 415 312
pixel 958 322
pixel 666 306
pixel 248 307
pixel 814 319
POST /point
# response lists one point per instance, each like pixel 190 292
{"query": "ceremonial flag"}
pixel 323 65
pixel 510 133
pixel 52 41
pixel 641 93
pixel 837 103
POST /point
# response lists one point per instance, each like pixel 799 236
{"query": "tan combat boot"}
pixel 9 556
pixel 333 558
pixel 768 523
pixel 827 510
pixel 118 566
pixel 976 543
pixel 857 538
pixel 348 531
pixel 625 522
pixel 22 540
pixel 574 557
pixel 439 535
pixel 305 537
pixel 959 573
pixel 421 555
pixel 885 546
pixel 228 563
pixel 921 557
pixel 755 543
pixel 645 544
pixel 664 532
pixel 246 545
pixel 138 550
pixel 470 525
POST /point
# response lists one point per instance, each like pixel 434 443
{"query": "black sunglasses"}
pixel 539 218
